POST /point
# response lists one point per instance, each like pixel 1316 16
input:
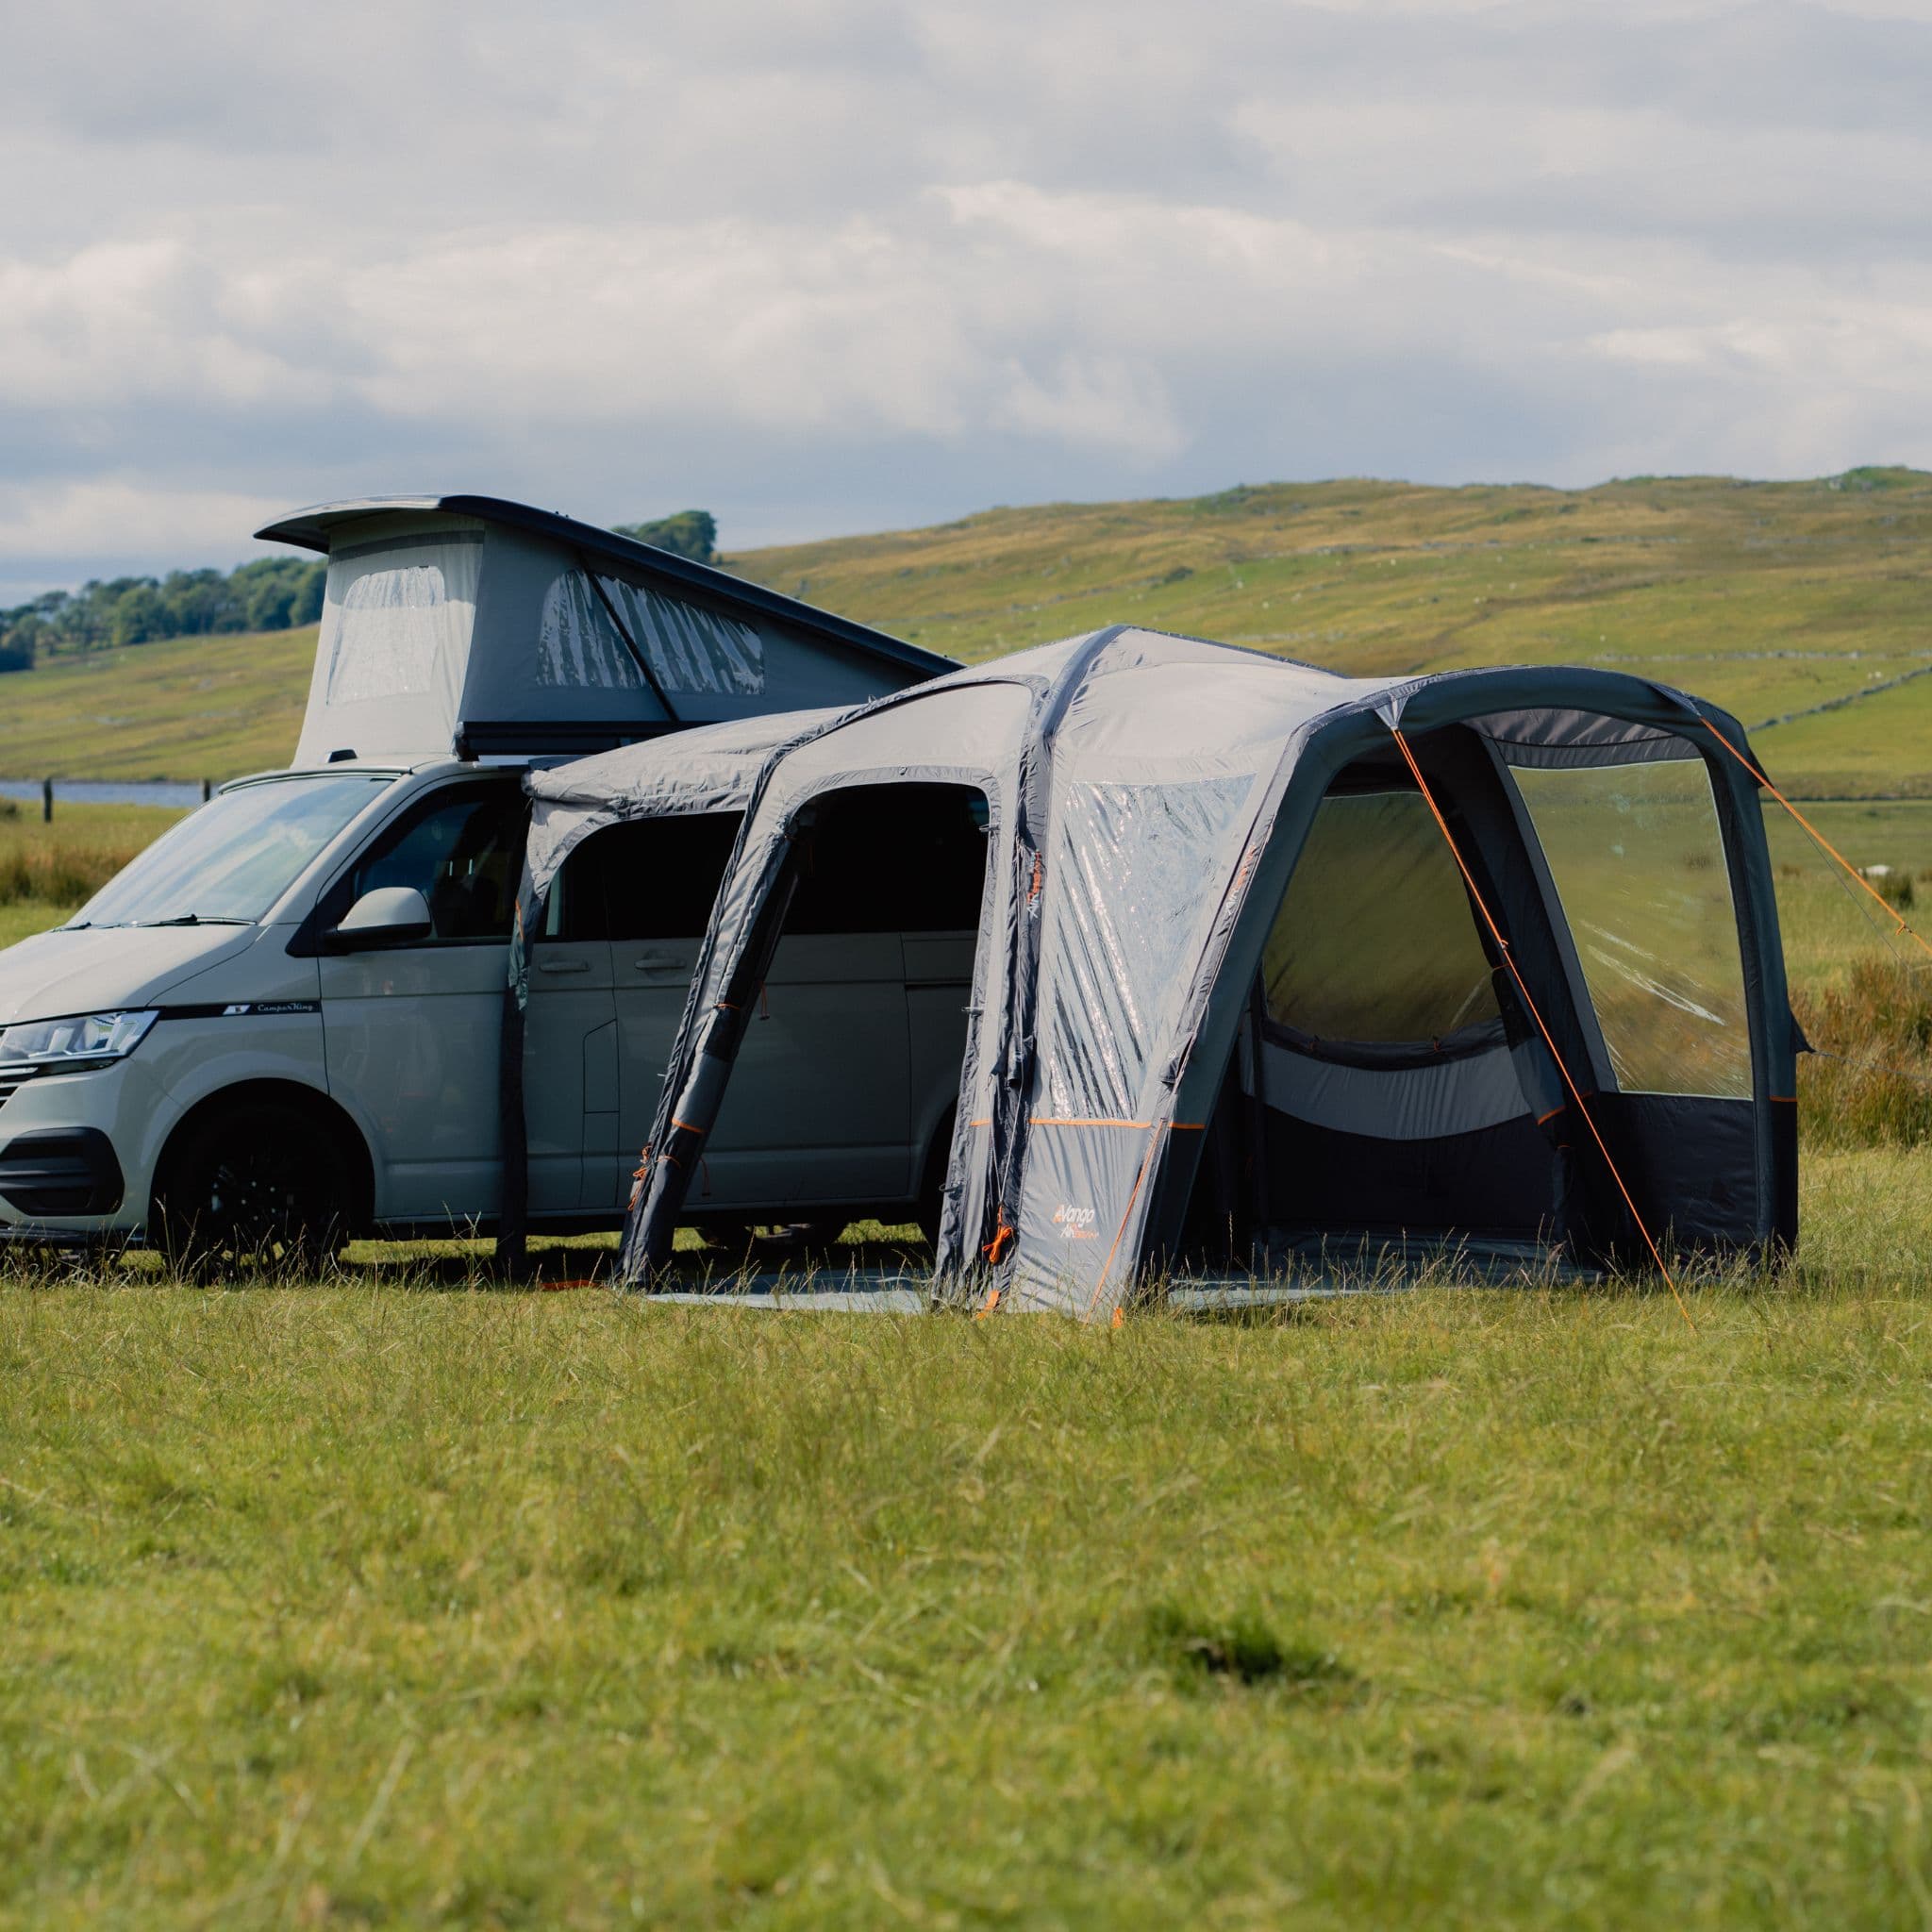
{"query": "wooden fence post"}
pixel 46 801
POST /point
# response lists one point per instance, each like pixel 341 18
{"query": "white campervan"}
pixel 279 1027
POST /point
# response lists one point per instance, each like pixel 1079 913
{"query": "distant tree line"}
pixel 689 533
pixel 271 593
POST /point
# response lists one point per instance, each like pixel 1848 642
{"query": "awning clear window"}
pixel 1375 942
pixel 1639 862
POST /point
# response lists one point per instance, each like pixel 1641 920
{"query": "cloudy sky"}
pixel 835 265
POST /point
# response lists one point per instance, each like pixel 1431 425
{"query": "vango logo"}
pixel 1076 1224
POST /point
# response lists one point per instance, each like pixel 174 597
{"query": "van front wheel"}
pixel 256 1185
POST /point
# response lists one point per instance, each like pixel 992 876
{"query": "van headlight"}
pixel 73 1045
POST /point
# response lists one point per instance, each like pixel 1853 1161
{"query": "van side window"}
pixel 893 859
pixel 651 880
pixel 462 851
pixel 574 908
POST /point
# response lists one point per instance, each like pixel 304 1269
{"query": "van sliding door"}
pixel 570 1050
pixel 657 879
pixel 817 1109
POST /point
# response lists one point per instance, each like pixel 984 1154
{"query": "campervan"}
pixel 281 1024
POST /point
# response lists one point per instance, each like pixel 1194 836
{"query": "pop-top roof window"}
pixel 688 649
pixel 393 610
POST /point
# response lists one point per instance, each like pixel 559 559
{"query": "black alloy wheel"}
pixel 258 1186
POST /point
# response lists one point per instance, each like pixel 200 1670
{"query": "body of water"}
pixel 179 797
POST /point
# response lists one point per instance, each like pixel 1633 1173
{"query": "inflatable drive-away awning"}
pixel 468 625
pixel 1271 962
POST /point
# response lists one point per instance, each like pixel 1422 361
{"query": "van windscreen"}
pixel 231 860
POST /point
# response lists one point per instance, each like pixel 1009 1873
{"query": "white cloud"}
pixel 817 266
pixel 121 321
pixel 1106 402
pixel 110 517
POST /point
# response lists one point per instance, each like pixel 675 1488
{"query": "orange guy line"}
pixel 1900 923
pixel 1549 1040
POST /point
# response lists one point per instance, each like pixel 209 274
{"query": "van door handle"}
pixel 657 962
pixel 564 966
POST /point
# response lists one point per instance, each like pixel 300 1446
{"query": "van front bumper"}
pixel 76 1155
pixel 61 1171
pixel 194 1053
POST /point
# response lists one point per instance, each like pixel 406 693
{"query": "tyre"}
pixel 256 1185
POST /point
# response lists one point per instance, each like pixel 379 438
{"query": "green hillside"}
pixel 197 708
pixel 1771 598
pixel 1798 602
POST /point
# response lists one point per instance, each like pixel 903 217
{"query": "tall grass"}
pixel 59 874
pixel 61 864
pixel 392 1600
pixel 1872 1084
pixel 1861 991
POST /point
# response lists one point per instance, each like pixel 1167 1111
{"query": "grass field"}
pixel 362 1604
pixel 1771 598
pixel 393 1599
pixel 197 707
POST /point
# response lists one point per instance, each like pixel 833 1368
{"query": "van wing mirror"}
pixel 390 915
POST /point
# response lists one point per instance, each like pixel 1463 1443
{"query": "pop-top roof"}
pixel 321 524
pixel 473 624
